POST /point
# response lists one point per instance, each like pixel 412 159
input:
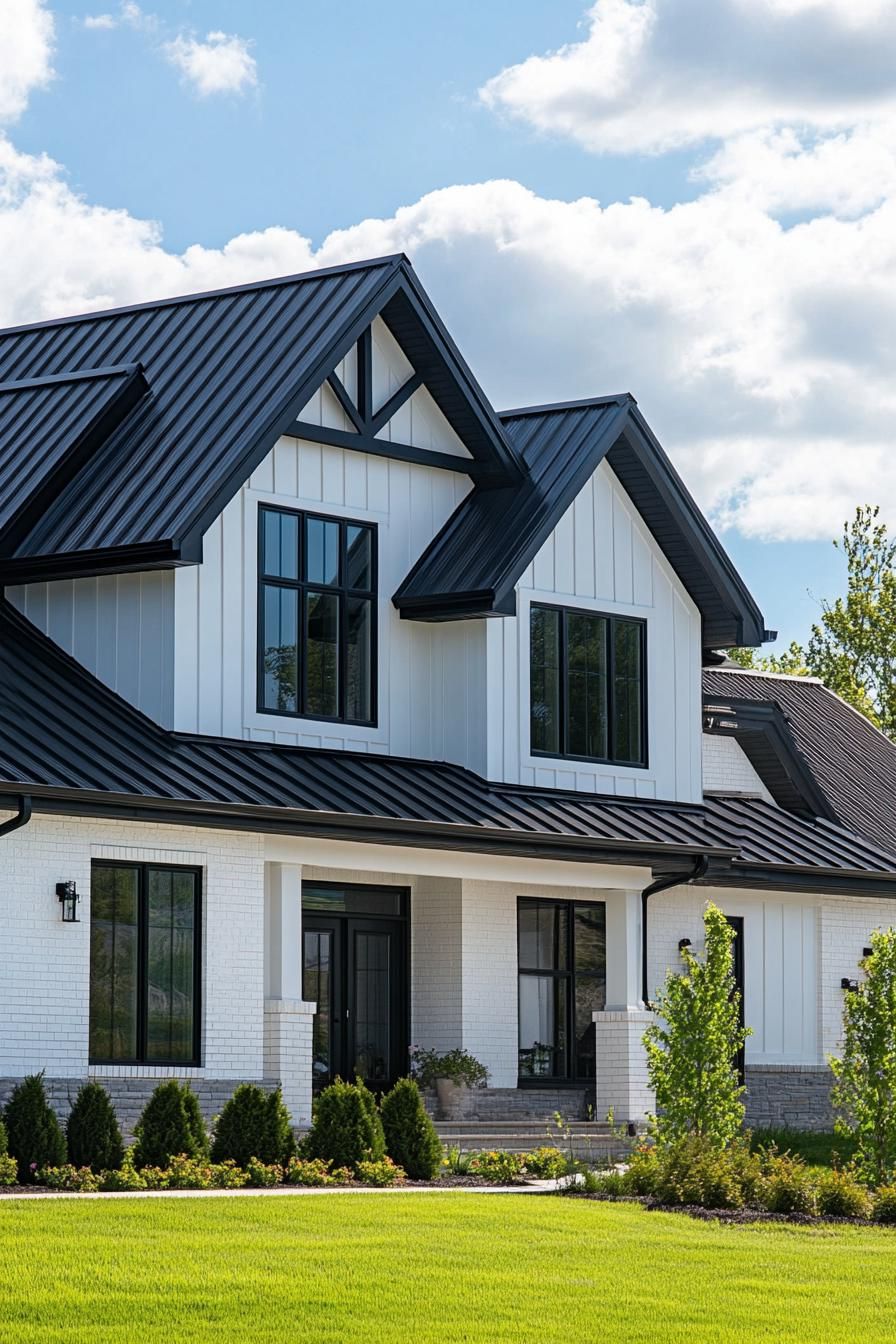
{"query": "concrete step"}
pixel 529 1126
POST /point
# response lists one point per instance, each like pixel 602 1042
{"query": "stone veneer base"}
pixel 792 1096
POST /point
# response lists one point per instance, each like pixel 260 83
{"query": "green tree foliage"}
pixel 411 1138
pixel 253 1123
pixel 691 1059
pixel 853 648
pixel 346 1129
pixel 92 1133
pixel 171 1124
pixel 864 1092
pixel 34 1136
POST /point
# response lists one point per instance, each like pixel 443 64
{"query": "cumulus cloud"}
pixel 654 75
pixel 222 63
pixel 128 15
pixel 26 48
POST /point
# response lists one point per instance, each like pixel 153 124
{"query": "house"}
pixel 340 713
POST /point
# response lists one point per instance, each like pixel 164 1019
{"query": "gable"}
pixel 228 373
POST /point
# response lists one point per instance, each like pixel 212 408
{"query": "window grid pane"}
pixel 562 983
pixel 170 958
pixel 545 679
pixel 114 921
pixel 317 620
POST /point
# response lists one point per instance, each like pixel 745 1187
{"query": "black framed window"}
pixel 316 616
pixel 587 686
pixel 145 960
pixel 562 959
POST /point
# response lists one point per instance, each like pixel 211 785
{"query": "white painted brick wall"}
pixel 622 1086
pixel 45 980
pixel 846 924
pixel 727 770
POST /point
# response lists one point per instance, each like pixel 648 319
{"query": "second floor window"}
pixel 317 616
pixel 587 681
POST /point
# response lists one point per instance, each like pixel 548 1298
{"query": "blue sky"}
pixel 719 298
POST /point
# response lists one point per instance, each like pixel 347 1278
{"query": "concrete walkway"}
pixel 530 1188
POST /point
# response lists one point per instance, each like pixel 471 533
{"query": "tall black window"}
pixel 317 616
pixel 562 982
pixel 587 686
pixel 144 964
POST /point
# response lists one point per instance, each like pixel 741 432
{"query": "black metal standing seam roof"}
pixel 229 371
pixel 78 747
pixel 473 564
pixel 852 762
pixel 48 425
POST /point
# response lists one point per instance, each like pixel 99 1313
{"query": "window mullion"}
pixel 563 673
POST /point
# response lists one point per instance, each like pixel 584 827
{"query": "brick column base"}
pixel 621 1065
pixel 287 1053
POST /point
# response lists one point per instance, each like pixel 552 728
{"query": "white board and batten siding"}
pixel 119 626
pixel 601 557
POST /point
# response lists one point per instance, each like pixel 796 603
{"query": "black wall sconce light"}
pixel 68 896
pixel 866 952
pixel 851 986
pixel 682 944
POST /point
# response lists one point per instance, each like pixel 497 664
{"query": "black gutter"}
pixel 22 818
pixel 663 884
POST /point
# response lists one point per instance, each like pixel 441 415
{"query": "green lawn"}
pixel 383 1268
pixel 819 1150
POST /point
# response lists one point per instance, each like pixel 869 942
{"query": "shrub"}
pixel 866 1075
pixel 884 1210
pixel 187 1173
pixel 642 1172
pixel 227 1175
pixel 92 1133
pixel 411 1138
pixel 456 1160
pixel 4 1141
pixel 691 1060
pixel 546 1162
pixel 263 1174
pixel 126 1178
pixel 841 1195
pixel 345 1129
pixel 380 1172
pixel 694 1171
pixel 68 1177
pixel 171 1124
pixel 787 1186
pixel 35 1139
pixel 9 1170
pixel 313 1171
pixel 253 1123
pixel 497 1167
pixel 457 1065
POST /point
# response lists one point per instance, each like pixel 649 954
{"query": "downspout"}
pixel 22 818
pixel 663 884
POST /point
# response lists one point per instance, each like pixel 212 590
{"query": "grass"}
pixel 430 1268
pixel 819 1150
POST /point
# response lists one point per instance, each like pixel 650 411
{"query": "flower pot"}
pixel 452 1098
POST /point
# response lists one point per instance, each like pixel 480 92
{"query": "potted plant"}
pixel 452 1075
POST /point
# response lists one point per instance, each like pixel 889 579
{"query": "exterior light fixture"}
pixel 68 896
pixel 866 952
pixel 682 944
pixel 851 986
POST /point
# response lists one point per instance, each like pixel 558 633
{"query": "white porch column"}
pixel 621 1063
pixel 287 1017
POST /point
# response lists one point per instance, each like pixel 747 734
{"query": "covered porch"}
pixel 530 965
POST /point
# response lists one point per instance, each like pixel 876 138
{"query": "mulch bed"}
pixel 722 1215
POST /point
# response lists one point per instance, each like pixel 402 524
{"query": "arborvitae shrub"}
pixel 34 1136
pixel 253 1123
pixel 411 1138
pixel 4 1140
pixel 94 1139
pixel 345 1129
pixel 171 1124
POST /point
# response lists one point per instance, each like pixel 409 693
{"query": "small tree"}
pixel 411 1138
pixel 691 1061
pixel 94 1139
pixel 346 1128
pixel 865 1088
pixel 171 1124
pixel 35 1138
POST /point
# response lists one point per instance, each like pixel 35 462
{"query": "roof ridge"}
pixel 619 398
pixel 776 676
pixel 393 259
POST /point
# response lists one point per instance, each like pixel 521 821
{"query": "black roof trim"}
pixel 73 376
pixel 762 731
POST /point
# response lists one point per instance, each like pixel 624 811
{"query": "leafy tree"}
pixel 853 648
pixel 94 1139
pixel 691 1060
pixel 865 1088
pixel 35 1138
pixel 411 1138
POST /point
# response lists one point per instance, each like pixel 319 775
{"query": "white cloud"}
pixel 26 48
pixel 220 64
pixel 653 75
pixel 129 15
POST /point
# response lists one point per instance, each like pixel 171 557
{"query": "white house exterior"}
pixel 362 717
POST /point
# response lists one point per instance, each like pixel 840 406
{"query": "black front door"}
pixel 737 965
pixel 355 970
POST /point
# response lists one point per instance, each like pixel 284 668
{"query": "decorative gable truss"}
pixel 376 401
